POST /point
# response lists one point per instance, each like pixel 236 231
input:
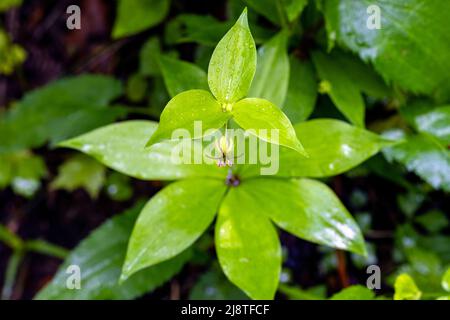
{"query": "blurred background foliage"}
pixel 130 57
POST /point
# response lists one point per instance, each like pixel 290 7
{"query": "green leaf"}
pixel 302 91
pixel 213 285
pixel 134 16
pixel 184 110
pixel 120 146
pixel 426 157
pixel 60 110
pixel 446 280
pixel 434 121
pixel 203 29
pixel 247 246
pixel 233 63
pixel 100 257
pixel 272 71
pixel 80 171
pixel 433 221
pixel 306 208
pixel 362 75
pixel 406 288
pixel 333 147
pixel 149 57
pixel 8 4
pixel 412 48
pixel 171 221
pixel 181 76
pixel 259 115
pixel 356 292
pixel 270 9
pixel 342 90
pixel 294 8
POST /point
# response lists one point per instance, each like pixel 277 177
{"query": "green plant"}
pixel 247 244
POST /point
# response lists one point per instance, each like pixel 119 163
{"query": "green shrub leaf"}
pixel 294 8
pixel 426 157
pixel 272 71
pixel 302 91
pixel 333 147
pixel 134 16
pixel 411 48
pixel 181 76
pixel 306 208
pixel 356 292
pixel 171 221
pixel 233 63
pixel 446 280
pixel 342 90
pixel 121 146
pixel 100 257
pixel 184 109
pixel 260 114
pixel 406 288
pixel 247 246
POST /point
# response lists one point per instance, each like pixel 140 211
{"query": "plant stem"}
pixel 11 272
pixel 44 247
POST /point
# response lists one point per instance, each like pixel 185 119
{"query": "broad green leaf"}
pixel 202 29
pixel 180 76
pixel 100 257
pixel 302 91
pixel 294 8
pixel 213 285
pixel 80 171
pixel 426 157
pixel 136 89
pixel 60 110
pixel 406 288
pixel 296 293
pixel 184 111
pixel 342 90
pixel 267 122
pixel 270 9
pixel 134 16
pixel 272 71
pixel 333 147
pixel 171 221
pixel 356 292
pixel 446 280
pixel 412 47
pixel 233 63
pixel 362 75
pixel 247 246
pixel 435 121
pixel 121 146
pixel 306 208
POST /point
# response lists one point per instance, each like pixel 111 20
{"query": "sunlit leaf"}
pixel 406 288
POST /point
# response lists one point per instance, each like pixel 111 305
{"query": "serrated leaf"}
pixel 121 146
pixel 302 91
pixel 100 257
pixel 180 76
pixel 171 221
pixel 184 110
pixel 134 16
pixel 233 63
pixel 247 246
pixel 333 147
pixel 272 70
pixel 342 90
pixel 412 47
pixel 80 171
pixel 426 157
pixel 406 288
pixel 60 110
pixel 267 122
pixel 306 208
